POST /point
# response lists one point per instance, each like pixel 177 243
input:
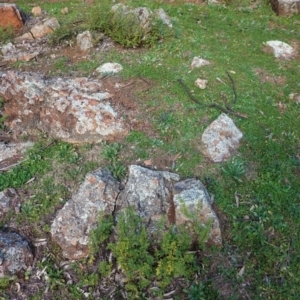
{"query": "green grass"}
pixel 260 234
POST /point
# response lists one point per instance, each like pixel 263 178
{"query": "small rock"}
pixel 164 17
pixel 8 49
pixel 199 62
pixel 24 37
pixel 65 11
pixel 109 68
pixel 84 41
pixel 36 11
pixel 281 49
pixel 286 7
pixel 201 83
pixel 15 253
pixel 9 200
pixel 48 26
pixel 11 16
pixel 295 97
pixel 220 139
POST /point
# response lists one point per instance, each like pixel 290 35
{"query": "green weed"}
pixel 6 34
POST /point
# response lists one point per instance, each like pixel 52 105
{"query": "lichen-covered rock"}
pixel 220 139
pixel 9 200
pixel 286 7
pixel 72 109
pixel 149 192
pixel 281 49
pixel 48 26
pixel 109 68
pixel 15 254
pixel 84 41
pixel 79 216
pixel 192 195
pixel 198 62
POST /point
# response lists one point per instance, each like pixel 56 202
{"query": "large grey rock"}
pixel 220 139
pixel 192 195
pixel 72 109
pixel 79 216
pixel 15 254
pixel 286 7
pixel 149 192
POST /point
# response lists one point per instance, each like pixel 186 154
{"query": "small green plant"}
pixel 111 153
pixel 132 251
pixel 234 168
pixel 125 28
pixel 4 282
pixel 63 33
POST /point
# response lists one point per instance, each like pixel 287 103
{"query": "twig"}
pixel 233 87
pixel 212 105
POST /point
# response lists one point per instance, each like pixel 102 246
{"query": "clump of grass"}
pixel 234 168
pixel 125 27
pixel 6 34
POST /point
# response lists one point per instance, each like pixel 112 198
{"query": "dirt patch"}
pixel 264 77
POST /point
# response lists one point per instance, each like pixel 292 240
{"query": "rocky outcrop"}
pixel 15 254
pixel 11 16
pixel 75 220
pixel 220 139
pixel 72 109
pixel 154 195
pixel 286 7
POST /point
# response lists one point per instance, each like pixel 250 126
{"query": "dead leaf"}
pixel 241 272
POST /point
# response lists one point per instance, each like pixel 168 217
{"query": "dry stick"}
pixel 213 105
pixel 233 87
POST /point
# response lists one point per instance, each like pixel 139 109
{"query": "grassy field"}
pixel 257 192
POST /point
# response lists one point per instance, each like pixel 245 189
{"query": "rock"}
pixel 72 109
pixel 286 7
pixel 295 97
pixel 192 194
pixel 281 49
pixel 84 41
pixel 15 254
pixel 201 83
pixel 220 139
pixel 11 16
pixel 150 193
pixel 36 11
pixel 65 11
pixel 8 49
pixel 164 17
pixel 11 150
pixel 109 68
pixel 79 216
pixel 144 16
pixel 26 36
pixel 9 200
pixel 199 62
pixel 216 1
pixel 48 26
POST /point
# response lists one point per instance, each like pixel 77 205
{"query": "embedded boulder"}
pixel 72 109
pixel 220 139
pixel 150 193
pixel 15 254
pixel 281 49
pixel 80 214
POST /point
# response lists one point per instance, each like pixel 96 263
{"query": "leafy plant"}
pixel 234 168
pixel 111 153
pixel 6 34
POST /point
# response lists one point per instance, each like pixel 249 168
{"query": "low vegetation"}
pixel 256 192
